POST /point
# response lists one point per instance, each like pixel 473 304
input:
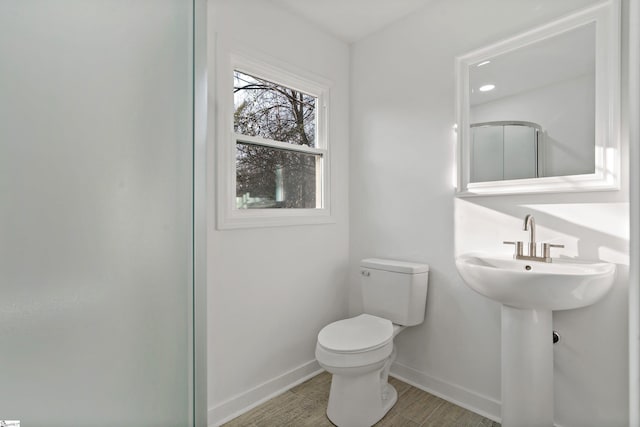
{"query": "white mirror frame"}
pixel 606 17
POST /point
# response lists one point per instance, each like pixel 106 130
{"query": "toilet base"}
pixel 359 401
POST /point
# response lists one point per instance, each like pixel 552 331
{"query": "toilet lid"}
pixel 357 334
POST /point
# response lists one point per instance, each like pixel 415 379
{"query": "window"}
pixel 278 167
pixel 275 152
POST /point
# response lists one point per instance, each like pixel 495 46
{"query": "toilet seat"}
pixel 356 335
pixel 358 342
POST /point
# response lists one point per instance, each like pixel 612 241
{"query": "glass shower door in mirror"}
pixel 505 150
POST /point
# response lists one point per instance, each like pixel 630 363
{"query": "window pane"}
pixel 271 178
pixel 272 111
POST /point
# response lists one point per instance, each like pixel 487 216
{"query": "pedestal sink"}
pixel 529 291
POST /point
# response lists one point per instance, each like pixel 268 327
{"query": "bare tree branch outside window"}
pixel 268 177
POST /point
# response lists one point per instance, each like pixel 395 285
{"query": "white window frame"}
pixel 228 215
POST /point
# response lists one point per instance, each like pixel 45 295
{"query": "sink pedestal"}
pixel 527 368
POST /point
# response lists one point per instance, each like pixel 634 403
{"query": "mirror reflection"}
pixel 505 150
pixel 532 109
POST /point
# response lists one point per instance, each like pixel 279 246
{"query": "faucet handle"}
pixel 546 249
pixel 518 246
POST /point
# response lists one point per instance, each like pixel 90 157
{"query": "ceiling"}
pixel 351 20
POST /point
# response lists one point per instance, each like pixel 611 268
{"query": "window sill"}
pixel 255 218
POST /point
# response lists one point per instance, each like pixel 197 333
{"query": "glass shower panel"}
pixel 519 152
pixel 487 153
pixel 96 208
pixel 504 151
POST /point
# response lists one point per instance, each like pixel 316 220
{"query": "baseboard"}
pixel 243 402
pixel 471 400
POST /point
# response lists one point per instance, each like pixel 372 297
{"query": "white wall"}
pixel 566 112
pixel 95 212
pixel 272 289
pixel 402 206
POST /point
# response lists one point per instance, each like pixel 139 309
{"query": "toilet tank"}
pixel 394 290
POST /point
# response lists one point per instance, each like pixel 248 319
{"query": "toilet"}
pixel 359 351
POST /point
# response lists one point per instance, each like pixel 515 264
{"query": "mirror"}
pixel 539 112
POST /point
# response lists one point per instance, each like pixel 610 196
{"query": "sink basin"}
pixel 559 285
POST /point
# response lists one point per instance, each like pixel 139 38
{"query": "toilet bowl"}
pixel 359 351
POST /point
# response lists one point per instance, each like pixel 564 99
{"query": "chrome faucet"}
pixel 530 226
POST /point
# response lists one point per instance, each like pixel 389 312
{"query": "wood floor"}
pixel 305 406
